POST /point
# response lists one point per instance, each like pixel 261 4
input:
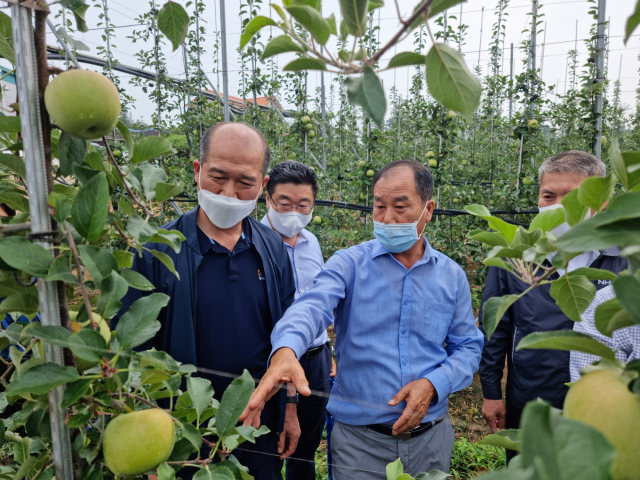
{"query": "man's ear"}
pixel 264 183
pixel 431 205
pixel 196 172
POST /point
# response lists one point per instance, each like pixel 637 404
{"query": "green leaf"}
pixel 508 230
pixel 593 273
pixel 566 340
pixel 213 472
pixel 434 475
pixel 493 311
pixel 368 93
pixel 165 472
pixel 173 238
pixel 71 151
pixel 305 63
pixel 21 254
pixel 141 230
pixel 394 469
pixel 573 294
pixel 594 192
pixel 126 136
pixel 632 23
pixel 60 270
pixel 10 124
pixel 53 334
pixel 200 392
pixel 90 208
pixel 19 302
pixel 192 434
pixel 627 290
pixel 61 206
pixel 78 14
pixel 15 198
pixel 406 58
pixel 173 22
pixel 136 280
pixel 249 433
pixel 124 259
pixel 548 220
pixel 331 20
pixel 490 238
pixel 13 163
pixel 312 21
pixel 112 289
pixel 281 44
pixel 497 262
pixel 503 439
pixel 166 261
pixel 373 4
pixel 41 379
pixel 139 324
pixel 234 400
pixel 450 82
pixel 254 26
pixel 354 14
pixel 165 191
pixel 88 345
pixel 610 316
pixel 6 50
pixel 574 210
pixel 99 261
pixel 149 148
pixel 74 391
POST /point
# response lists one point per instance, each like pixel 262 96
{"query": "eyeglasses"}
pixel 304 209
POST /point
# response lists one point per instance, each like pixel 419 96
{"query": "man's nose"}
pixel 228 189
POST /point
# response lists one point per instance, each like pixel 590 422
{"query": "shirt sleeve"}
pixel 495 350
pixel 288 285
pixel 311 314
pixel 463 346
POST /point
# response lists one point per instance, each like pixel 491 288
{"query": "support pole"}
pixel 532 73
pixel 225 73
pixel 511 77
pixel 48 305
pixel 600 48
pixel 324 119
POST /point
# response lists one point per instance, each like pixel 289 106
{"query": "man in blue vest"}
pixel 536 373
pixel 291 193
pixel 235 280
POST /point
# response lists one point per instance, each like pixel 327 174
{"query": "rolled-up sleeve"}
pixel 463 346
pixel 312 313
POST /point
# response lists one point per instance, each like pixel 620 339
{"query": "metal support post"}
pixel 511 77
pixel 324 120
pixel 533 45
pixel 27 86
pixel 225 73
pixel 600 48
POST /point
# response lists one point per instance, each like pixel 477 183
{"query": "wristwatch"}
pixel 292 399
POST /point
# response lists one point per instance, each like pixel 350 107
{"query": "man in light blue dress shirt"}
pixel 291 193
pixel 406 337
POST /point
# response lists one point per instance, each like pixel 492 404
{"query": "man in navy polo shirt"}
pixel 291 193
pixel 235 280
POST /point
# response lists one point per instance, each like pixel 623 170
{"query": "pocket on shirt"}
pixel 437 318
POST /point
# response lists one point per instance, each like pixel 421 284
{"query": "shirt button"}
pixel 404 331
pixel 404 362
pixel 406 302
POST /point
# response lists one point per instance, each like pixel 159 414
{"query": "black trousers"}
pixel 512 420
pixel 312 414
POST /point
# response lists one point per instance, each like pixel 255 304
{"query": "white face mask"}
pixel 224 212
pixel 288 224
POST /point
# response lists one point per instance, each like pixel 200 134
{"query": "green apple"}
pixel 361 163
pixel 362 196
pixel 311 133
pixel 309 126
pixel 455 200
pixel 370 173
pixel 83 103
pixel 317 219
pixel 137 442
pixel 430 154
pixel 603 140
pixel 117 153
pixel 433 162
pixel 451 114
pixel 527 181
pixel 533 124
pixel 602 399
pixel 219 118
pixel 306 119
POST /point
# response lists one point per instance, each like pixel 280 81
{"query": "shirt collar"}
pixel 378 250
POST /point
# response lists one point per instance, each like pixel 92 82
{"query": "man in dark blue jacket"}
pixel 235 279
pixel 536 373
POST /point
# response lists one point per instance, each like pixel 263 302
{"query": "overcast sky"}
pixel 560 18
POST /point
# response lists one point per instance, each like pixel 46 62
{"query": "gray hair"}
pixel 573 161
pixel 207 137
pixel 422 175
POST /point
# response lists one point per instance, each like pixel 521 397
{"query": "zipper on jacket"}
pixel 513 348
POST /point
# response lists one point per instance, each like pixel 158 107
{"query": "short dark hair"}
pixel 205 142
pixel 292 172
pixel 424 179
pixel 573 161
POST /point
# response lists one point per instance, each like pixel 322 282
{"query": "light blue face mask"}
pixel 397 237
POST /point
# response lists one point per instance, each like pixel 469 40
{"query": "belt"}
pixel 313 352
pixel 416 432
